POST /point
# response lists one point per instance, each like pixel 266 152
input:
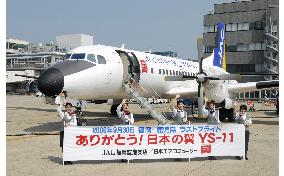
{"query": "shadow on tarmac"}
pixel 31 109
pixel 58 160
pixel 54 159
pixel 88 114
pixel 271 114
pixel 45 127
pixel 93 119
pixel 254 121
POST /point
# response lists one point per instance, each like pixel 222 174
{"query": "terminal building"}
pixel 14 46
pixel 252 33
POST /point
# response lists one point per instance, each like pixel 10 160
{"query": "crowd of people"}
pixel 180 117
pixel 212 114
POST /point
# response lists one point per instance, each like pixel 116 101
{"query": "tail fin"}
pixel 219 52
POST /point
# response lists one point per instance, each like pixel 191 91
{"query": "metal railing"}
pixel 144 103
pixel 27 65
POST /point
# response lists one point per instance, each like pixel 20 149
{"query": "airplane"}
pixel 101 72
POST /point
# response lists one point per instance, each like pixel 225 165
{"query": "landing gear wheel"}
pixel 113 110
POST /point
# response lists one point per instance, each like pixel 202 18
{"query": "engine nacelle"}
pixel 218 91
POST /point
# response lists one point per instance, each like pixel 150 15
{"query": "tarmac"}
pixel 32 144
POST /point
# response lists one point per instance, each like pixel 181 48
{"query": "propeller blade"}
pixel 200 65
pixel 224 77
pixel 259 74
pixel 189 77
pixel 178 78
pixel 200 100
pixel 236 76
pixel 174 78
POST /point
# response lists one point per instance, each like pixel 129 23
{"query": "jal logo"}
pixel 144 67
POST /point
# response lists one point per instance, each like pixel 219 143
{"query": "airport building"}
pixel 29 63
pixel 251 36
pixel 71 41
pixel 14 46
pixel 29 59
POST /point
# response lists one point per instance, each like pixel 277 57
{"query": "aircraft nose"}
pixel 51 82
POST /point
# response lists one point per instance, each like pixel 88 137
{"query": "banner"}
pixel 219 52
pixel 148 142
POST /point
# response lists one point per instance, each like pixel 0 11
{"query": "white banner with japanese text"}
pixel 153 142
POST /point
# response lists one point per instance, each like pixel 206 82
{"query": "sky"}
pixel 159 25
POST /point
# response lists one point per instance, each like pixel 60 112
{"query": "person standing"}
pixel 68 118
pixel 244 118
pixel 212 114
pixel 213 118
pixel 180 116
pixel 124 114
pixel 179 113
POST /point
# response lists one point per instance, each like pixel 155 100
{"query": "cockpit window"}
pixel 78 56
pixel 91 57
pixel 101 59
pixel 66 56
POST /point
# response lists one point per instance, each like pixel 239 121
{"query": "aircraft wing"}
pixel 232 88
pixel 252 86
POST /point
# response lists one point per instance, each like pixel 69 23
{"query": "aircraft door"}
pixel 134 67
pixel 131 65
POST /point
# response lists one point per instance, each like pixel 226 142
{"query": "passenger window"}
pixel 170 72
pixel 167 72
pixel 177 73
pixel 101 59
pixel 92 58
pixel 152 70
pixel 164 72
pixel 174 73
pixel 160 71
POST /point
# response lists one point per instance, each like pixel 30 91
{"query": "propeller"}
pixel 201 77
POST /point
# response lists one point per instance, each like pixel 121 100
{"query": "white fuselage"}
pixel 104 81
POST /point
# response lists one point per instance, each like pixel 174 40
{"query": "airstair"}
pixel 135 92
